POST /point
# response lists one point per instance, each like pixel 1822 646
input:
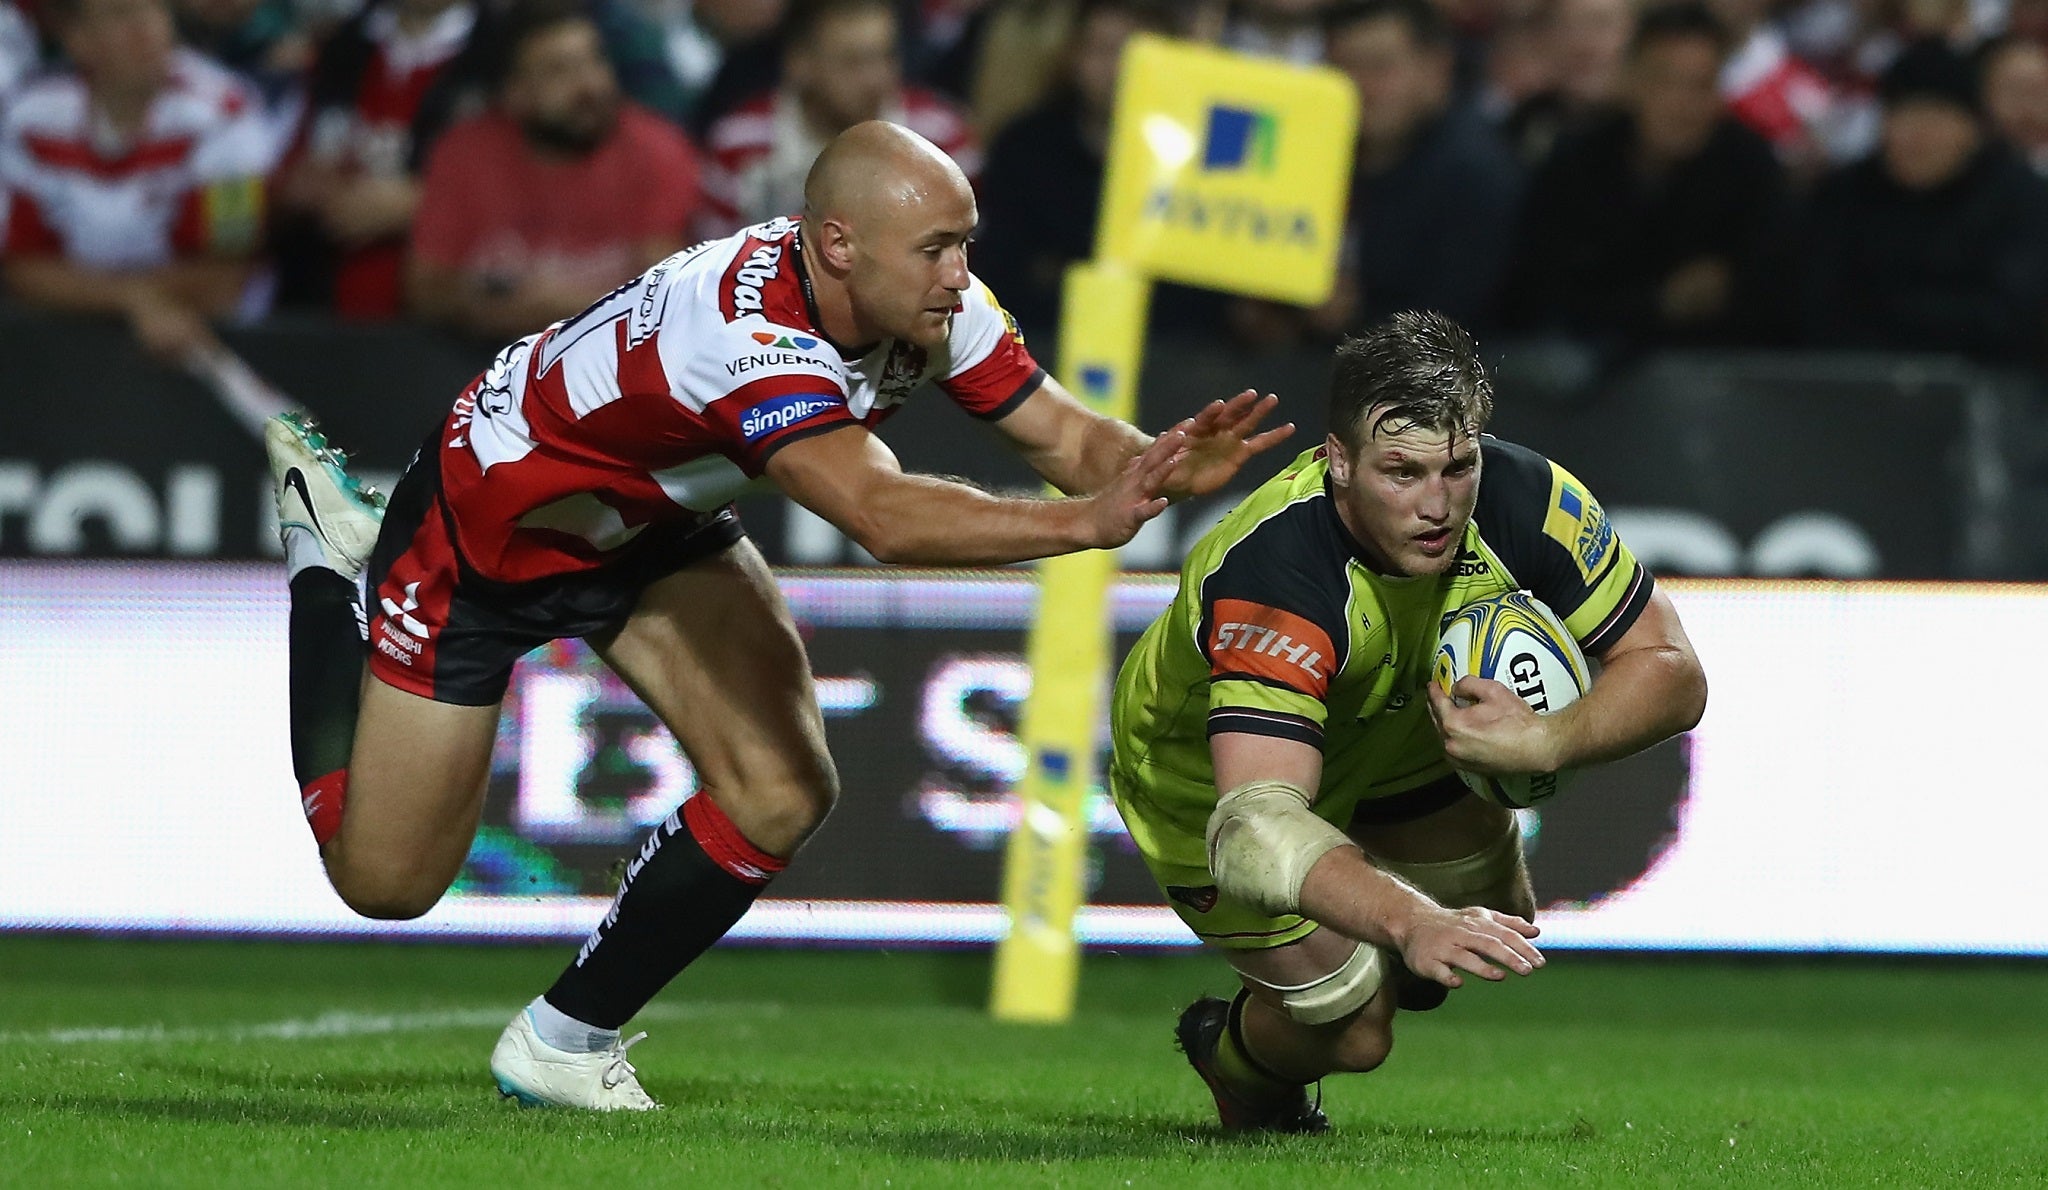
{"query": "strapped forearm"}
pixel 1263 839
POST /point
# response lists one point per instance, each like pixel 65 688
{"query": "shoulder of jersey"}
pixel 1285 525
pixel 1511 474
pixel 754 272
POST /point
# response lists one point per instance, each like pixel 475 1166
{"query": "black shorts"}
pixel 442 631
pixel 1419 802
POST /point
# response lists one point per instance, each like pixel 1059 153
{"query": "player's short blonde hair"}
pixel 1418 368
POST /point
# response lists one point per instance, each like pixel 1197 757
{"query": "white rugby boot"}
pixel 316 493
pixel 539 1075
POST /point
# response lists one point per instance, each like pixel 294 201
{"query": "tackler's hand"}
pixel 1220 439
pixel 1117 512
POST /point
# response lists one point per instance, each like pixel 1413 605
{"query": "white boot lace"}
pixel 619 1069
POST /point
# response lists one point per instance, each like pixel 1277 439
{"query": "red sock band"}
pixel 724 843
pixel 321 800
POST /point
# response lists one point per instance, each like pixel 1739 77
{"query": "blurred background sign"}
pixel 1227 171
pixel 1760 829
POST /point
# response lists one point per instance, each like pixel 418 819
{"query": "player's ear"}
pixel 835 244
pixel 1340 463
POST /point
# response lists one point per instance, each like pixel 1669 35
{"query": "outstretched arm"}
pixel 850 478
pixel 1346 893
pixel 1078 450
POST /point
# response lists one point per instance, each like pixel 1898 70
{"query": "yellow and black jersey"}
pixel 1281 628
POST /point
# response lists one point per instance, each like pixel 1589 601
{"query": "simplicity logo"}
pixel 1240 138
pixel 783 412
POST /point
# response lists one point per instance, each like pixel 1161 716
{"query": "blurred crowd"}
pixel 1623 175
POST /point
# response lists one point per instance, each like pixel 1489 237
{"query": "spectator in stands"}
pixel 1514 63
pixel 706 39
pixel 1042 190
pixel 842 67
pixel 1011 59
pixel 1939 240
pixel 349 189
pixel 1661 225
pixel 1780 97
pixel 1584 42
pixel 133 182
pixel 533 210
pixel 750 43
pixel 1435 191
pixel 2016 97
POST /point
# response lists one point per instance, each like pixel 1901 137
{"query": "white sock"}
pixel 302 549
pixel 565 1032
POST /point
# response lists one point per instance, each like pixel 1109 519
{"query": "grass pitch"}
pixel 222 1064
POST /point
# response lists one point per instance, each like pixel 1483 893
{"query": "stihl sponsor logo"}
pixel 1269 644
pixel 1258 638
pixel 760 267
pixel 782 412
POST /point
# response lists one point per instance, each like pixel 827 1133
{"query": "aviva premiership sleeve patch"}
pixel 1009 322
pixel 1576 521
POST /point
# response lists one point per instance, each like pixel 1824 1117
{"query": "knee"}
pixel 382 895
pixel 777 811
pixel 1361 1044
pixel 806 794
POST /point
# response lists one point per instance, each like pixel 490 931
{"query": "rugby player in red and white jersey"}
pixel 580 487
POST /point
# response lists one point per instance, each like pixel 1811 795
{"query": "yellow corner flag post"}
pixel 1227 172
pixel 1102 338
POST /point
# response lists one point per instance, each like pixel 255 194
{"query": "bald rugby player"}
pixel 581 487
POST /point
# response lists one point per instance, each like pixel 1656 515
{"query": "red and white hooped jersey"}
pixel 190 184
pixel 667 398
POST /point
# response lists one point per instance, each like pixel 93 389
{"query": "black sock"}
pixel 327 657
pixel 692 881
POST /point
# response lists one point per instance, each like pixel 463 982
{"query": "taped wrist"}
pixel 1263 839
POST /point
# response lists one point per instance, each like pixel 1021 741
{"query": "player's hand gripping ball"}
pixel 1515 640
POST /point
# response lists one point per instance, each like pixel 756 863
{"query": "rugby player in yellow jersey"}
pixel 1284 762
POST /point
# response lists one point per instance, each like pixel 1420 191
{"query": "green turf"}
pixel 815 1070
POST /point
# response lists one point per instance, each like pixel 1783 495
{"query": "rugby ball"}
pixel 1519 642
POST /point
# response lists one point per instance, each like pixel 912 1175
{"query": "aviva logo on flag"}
pixel 1240 138
pixel 1228 171
pixel 794 342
